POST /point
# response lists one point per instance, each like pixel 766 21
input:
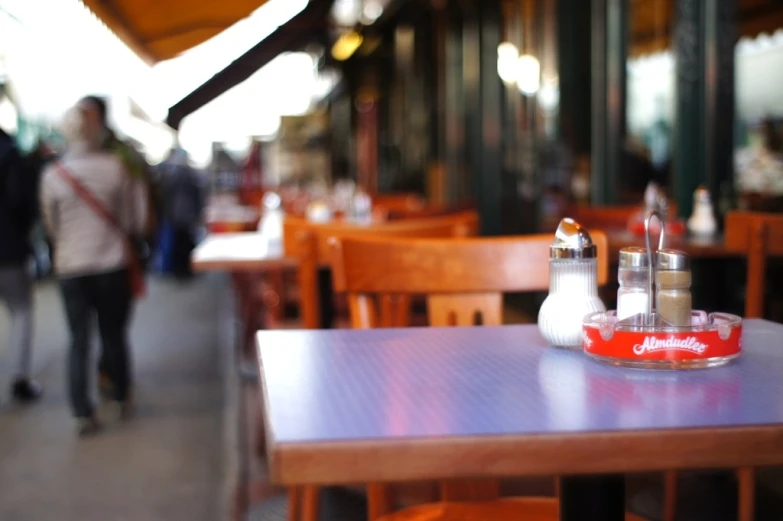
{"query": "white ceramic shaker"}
pixel 702 221
pixel 271 224
pixel 573 286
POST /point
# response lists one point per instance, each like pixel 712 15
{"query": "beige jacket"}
pixel 84 244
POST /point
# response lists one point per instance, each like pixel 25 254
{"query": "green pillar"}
pixel 704 56
pixel 609 50
pixel 483 104
pixel 574 72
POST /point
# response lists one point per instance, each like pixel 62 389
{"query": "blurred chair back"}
pixel 386 204
pixel 463 223
pixel 309 243
pixel 463 279
pixel 758 235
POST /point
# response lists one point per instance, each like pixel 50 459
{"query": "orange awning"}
pixel 157 30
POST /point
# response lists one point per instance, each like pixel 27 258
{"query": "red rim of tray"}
pixel 712 337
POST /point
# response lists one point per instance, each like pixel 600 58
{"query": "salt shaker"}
pixel 702 221
pixel 361 208
pixel 573 286
pixel 633 275
pixel 271 224
pixel 673 287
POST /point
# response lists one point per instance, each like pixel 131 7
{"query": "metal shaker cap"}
pixel 673 260
pixel 271 201
pixel 572 242
pixel 701 195
pixel 633 257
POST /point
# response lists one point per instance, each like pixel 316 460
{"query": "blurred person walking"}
pixel 182 208
pixel 18 212
pixel 137 168
pixel 91 206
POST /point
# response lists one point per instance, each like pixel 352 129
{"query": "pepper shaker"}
pixel 573 286
pixel 672 285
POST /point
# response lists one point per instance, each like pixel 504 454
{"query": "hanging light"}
pixel 346 45
pixel 549 94
pixel 508 55
pixel 508 50
pixel 528 74
pixel 372 10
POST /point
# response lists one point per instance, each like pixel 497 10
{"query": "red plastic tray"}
pixel 711 340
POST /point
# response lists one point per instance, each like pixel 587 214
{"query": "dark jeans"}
pixel 108 296
pixel 181 250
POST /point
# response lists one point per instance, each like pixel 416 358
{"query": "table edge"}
pixel 243 265
pixel 364 461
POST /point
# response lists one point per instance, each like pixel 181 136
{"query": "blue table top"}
pixel 397 385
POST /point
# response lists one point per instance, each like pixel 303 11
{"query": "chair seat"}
pixel 514 509
pixel 337 504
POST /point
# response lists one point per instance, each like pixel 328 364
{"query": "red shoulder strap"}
pixel 88 197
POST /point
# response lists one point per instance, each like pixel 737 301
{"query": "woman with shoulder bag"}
pixel 91 210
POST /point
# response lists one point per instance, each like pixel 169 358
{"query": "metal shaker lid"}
pixel 572 242
pixel 701 195
pixel 271 201
pixel 633 257
pixel 673 260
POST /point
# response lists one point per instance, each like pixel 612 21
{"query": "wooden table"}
pixel 696 247
pixel 246 251
pixel 359 406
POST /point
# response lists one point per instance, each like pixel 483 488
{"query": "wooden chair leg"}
pixel 669 495
pixel 746 477
pixel 379 501
pixel 294 504
pixel 311 503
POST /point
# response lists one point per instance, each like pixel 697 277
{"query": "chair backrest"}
pixel 400 202
pixel 309 243
pixel 758 235
pixel 463 279
pixel 294 228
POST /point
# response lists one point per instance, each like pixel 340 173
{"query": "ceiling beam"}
pixel 297 32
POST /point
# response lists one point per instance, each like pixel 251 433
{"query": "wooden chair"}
pixel 463 281
pixel 309 243
pixel 757 235
pixel 384 204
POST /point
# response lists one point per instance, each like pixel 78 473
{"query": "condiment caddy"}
pixel 654 325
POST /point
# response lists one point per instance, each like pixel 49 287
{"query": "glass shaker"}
pixel 573 286
pixel 673 287
pixel 633 275
pixel 271 224
pixel 361 208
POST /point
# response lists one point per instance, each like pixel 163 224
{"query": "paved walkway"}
pixel 167 463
